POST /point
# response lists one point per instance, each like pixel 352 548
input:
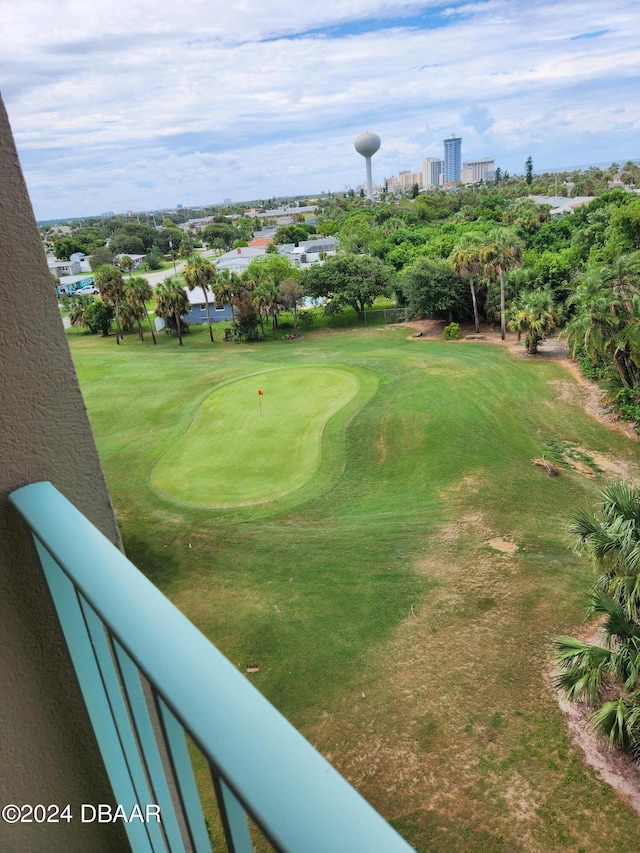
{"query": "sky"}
pixel 147 104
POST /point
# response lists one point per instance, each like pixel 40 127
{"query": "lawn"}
pixel 385 555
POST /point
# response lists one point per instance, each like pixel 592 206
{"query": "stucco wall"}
pixel 47 749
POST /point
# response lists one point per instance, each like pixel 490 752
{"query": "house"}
pixel 561 204
pixel 64 268
pixel 314 250
pixel 138 260
pixel 237 260
pixel 70 283
pixel 198 308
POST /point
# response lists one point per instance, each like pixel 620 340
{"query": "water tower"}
pixel 367 144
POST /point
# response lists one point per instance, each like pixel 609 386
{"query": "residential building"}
pixel 452 159
pixel 475 171
pixel 198 308
pixel 432 172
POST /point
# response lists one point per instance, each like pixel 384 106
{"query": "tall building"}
pixel 452 159
pixel 432 172
pixel 474 171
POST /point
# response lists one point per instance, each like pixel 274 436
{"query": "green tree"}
pixel 99 317
pixel 101 256
pixel 466 261
pixel 125 263
pixel 344 279
pixel 172 302
pixel 78 307
pixel 64 247
pixel 110 283
pixel 432 289
pixel 122 243
pixel 220 235
pixel 528 166
pixel 607 676
pixel 138 292
pixel 292 233
pixel 226 289
pixel 292 299
pixel 606 323
pixel 154 259
pixel 200 272
pixel 534 313
pixel 267 275
pixel 502 251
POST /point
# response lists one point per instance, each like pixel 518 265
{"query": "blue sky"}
pixel 145 104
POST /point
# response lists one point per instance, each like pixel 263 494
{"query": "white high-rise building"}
pixel 474 171
pixel 432 172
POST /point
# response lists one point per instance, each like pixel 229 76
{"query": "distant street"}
pixel 155 278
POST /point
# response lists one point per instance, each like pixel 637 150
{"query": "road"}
pixel 154 278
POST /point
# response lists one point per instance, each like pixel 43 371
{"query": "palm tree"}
pixel 502 251
pixel 292 298
pixel 138 292
pixel 269 302
pixel 110 283
pixel 534 313
pixel 126 263
pixel 172 302
pixel 130 314
pixel 199 272
pixel 78 306
pixel 226 290
pixel 607 324
pixel 608 676
pixel 466 261
pixel 623 274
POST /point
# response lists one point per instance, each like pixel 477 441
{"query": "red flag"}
pixel 260 393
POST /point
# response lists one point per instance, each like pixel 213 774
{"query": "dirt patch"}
pixel 568 392
pixel 595 405
pixel 615 466
pixel 503 545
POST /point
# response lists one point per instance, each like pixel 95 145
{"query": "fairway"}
pixel 245 447
pixel 376 552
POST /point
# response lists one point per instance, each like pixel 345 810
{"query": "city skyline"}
pixel 134 107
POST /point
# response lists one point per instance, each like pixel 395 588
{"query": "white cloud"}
pixel 130 105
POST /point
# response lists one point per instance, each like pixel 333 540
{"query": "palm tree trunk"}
pixel 117 324
pixel 150 326
pixel 206 299
pixel 476 321
pixel 503 321
pixel 140 329
pixel 178 326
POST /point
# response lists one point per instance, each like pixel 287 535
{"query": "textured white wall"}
pixel 47 750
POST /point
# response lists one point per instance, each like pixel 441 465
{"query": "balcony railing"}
pixel 148 677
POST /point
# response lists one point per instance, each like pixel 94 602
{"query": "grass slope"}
pixel 384 625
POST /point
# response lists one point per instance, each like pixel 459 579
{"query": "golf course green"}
pixel 254 439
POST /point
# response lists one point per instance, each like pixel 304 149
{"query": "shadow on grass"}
pixel 156 561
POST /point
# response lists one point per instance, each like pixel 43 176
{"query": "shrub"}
pixel 452 332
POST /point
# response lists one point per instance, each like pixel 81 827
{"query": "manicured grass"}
pixel 271 424
pixel 383 622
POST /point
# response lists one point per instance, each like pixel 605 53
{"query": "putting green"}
pixel 245 448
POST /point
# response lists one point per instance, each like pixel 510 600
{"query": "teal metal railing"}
pixel 148 677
